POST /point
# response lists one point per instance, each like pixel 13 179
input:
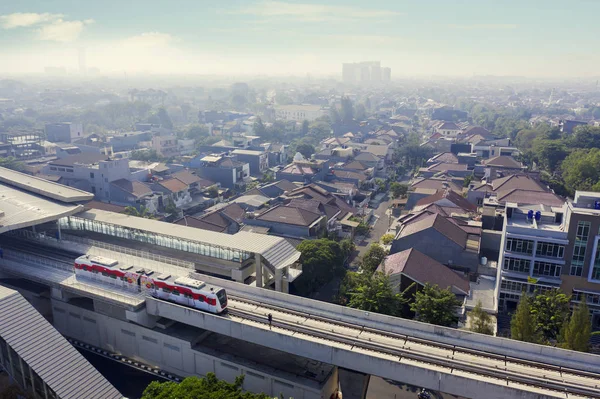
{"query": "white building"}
pixel 299 112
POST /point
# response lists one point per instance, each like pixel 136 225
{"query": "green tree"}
pixel 581 169
pixel 304 129
pixel 481 322
pixel 321 260
pixel 347 110
pixel 467 181
pixel 550 310
pixel 161 116
pixel 170 207
pixel 208 387
pixel 387 239
pixel 140 213
pixel 372 258
pixel 577 331
pixel 436 306
pixel 305 149
pixel 549 153
pixel 375 293
pixel 11 163
pixel 259 128
pixel 522 325
pixel 196 132
pixel 146 155
pixel 347 246
pixel 398 189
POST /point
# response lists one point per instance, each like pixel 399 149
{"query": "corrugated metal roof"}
pixel 275 250
pixel 20 208
pixel 43 187
pixel 48 353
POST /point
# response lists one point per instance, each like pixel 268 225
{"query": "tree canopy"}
pixel 372 258
pixel 481 322
pixel 200 388
pixel 550 310
pixel 522 325
pixel 321 260
pixel 398 189
pixel 375 293
pixel 436 306
pixel 576 333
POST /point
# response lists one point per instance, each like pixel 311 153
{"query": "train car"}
pixel 186 291
pixel 106 270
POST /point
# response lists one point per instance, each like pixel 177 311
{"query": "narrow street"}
pixel 377 230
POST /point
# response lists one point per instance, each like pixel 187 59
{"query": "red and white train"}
pixel 182 290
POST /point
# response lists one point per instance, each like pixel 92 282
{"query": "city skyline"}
pixel 295 38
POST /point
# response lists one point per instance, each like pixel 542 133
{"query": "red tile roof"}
pixel 423 269
pixel 503 161
pixel 135 187
pixel 173 185
pixel 438 223
pixel 187 177
pixel 446 195
pixel 289 215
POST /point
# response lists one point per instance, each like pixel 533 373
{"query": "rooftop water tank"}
pixel 484 260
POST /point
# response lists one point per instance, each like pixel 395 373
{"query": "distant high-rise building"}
pixel 364 73
pixel 386 74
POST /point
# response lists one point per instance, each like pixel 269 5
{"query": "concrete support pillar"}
pixel 279 280
pixel 33 228
pixel 58 234
pixel 258 268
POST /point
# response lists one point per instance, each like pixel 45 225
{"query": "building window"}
pixel 93 190
pixel 550 250
pixel 596 265
pixel 91 175
pixel 578 259
pixel 515 286
pixel 52 167
pixel 519 246
pixel 583 231
pixel 546 269
pixel 516 265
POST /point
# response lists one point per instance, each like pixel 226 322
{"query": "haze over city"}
pixel 275 37
pixel 284 199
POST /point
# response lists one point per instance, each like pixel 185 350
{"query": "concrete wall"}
pixel 490 242
pixel 462 338
pixel 346 356
pixel 170 353
pixel 219 175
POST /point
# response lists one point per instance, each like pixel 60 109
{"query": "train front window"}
pixel 222 296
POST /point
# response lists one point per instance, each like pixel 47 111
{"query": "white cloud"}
pixel 149 39
pixel 62 31
pixel 484 26
pixel 25 19
pixel 313 12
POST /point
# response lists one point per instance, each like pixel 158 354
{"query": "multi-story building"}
pixel 63 132
pixel 546 247
pixel 299 112
pixel 258 160
pixel 90 172
pixel 226 170
pixel 165 146
pixel 365 73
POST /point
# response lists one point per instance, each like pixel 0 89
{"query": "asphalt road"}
pixel 378 229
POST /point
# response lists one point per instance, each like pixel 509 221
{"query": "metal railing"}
pixel 13 262
pixel 64 244
pixel 37 260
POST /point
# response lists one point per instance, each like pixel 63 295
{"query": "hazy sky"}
pixel 443 37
